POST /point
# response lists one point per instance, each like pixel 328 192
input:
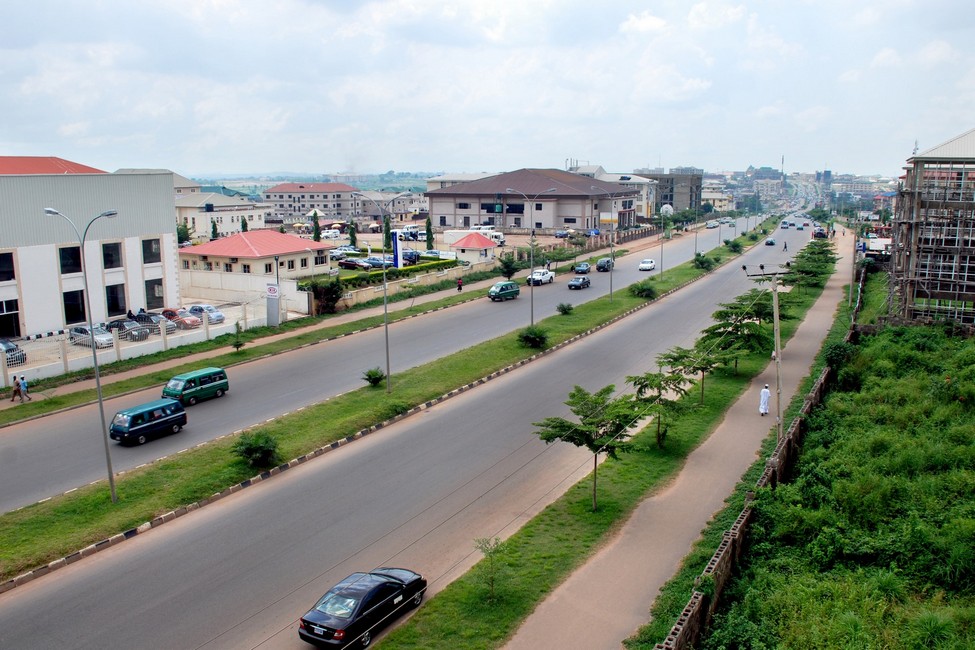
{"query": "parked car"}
pixel 336 255
pixel 15 355
pixel 506 290
pixel 561 234
pixel 583 267
pixel 128 329
pixel 139 424
pixel 356 608
pixel 184 320
pixel 579 282
pixel 378 262
pixel 214 315
pixel 81 335
pixel 155 322
pixel 346 248
pixel 541 276
pixel 770 242
pixel 605 264
pixel 647 265
pixel 355 264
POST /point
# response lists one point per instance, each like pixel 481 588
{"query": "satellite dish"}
pixel 667 210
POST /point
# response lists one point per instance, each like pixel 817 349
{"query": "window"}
pixel 208 266
pixel 74 306
pixel 186 264
pixel 115 299
pixel 267 268
pixel 319 259
pixel 112 256
pixel 246 268
pixel 443 221
pixel 569 220
pixel 464 206
pixel 538 207
pixel 304 262
pixel 228 267
pixel 291 265
pixel 154 294
pixel 7 267
pixel 151 251
pixel 70 260
pixel 516 208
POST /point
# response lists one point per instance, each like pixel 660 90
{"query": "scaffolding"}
pixel 933 248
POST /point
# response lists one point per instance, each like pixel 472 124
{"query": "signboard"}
pixel 272 291
pixel 606 218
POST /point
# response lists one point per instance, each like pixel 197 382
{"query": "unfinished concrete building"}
pixel 933 251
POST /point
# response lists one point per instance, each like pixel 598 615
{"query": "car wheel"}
pixel 219 392
pixel 191 401
pixel 141 440
pixel 551 280
pixel 175 428
pixel 365 639
pixel 416 599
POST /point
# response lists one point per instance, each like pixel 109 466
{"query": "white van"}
pixel 331 234
pixel 484 228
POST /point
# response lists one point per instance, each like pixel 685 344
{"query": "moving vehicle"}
pixel 710 225
pixel 605 264
pixel 579 282
pixel 190 387
pixel 356 608
pixel 184 320
pixel 155 322
pixel 647 265
pixel 139 424
pixel 506 290
pixel 409 232
pixel 213 315
pixel 15 355
pixel 583 267
pixel 770 242
pixel 128 329
pixel 81 335
pixel 541 276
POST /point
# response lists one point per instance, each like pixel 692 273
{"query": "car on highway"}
pixel 128 329
pixel 647 265
pixel 541 276
pixel 354 610
pixel 213 315
pixel 583 267
pixel 140 424
pixel 81 335
pixel 506 290
pixel 579 282
pixel 820 233
pixel 355 264
pixel 770 242
pixel 605 264
pixel 711 225
pixel 155 322
pixel 184 320
pixel 15 354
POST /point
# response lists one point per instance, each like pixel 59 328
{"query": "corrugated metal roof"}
pixel 961 147
pixel 535 181
pixel 25 165
pixel 255 244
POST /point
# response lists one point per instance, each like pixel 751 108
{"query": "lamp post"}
pixel 382 216
pixel 774 277
pixel 612 231
pixel 531 248
pixel 108 214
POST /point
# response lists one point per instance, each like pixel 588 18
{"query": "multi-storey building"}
pixel 293 202
pixel 199 211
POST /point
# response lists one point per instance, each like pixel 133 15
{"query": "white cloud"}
pixel 937 52
pixel 885 58
pixel 714 15
pixel 643 23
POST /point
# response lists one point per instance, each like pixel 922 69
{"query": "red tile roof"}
pixel 255 244
pixel 474 240
pixel 315 188
pixel 23 165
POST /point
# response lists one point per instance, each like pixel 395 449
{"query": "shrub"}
pixel 533 337
pixel 258 448
pixel 733 245
pixel 374 376
pixel 703 262
pixel 564 308
pixel 644 289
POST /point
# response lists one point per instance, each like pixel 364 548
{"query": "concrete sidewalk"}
pixel 609 597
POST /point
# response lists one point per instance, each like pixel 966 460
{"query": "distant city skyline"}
pixel 235 87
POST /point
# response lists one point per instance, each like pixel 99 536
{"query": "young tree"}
pixel 316 229
pixel 690 361
pixel 213 229
pixel 243 225
pixel 658 393
pixel 429 234
pixel 602 427
pixel 353 240
pixel 183 233
pixel 507 266
pixel 387 234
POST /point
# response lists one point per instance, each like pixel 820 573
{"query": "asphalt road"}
pixel 237 574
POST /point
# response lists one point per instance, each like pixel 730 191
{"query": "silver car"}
pixel 213 315
pixel 81 335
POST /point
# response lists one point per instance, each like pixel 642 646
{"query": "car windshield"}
pixel 121 419
pixel 101 330
pixel 337 605
pixel 175 384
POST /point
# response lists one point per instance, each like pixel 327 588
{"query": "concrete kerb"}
pixel 182 510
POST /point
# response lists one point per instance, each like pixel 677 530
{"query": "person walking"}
pixel 16 389
pixel 785 246
pixel 460 284
pixel 23 389
pixel 763 401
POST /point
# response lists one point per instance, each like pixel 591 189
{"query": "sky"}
pixel 245 87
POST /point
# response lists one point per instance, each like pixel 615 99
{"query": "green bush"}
pixel 258 448
pixel 644 289
pixel 564 308
pixel 734 245
pixel 703 262
pixel 374 376
pixel 533 337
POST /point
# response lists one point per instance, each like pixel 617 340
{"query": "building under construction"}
pixel 933 248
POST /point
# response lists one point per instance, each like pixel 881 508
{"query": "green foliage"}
pixel 326 293
pixel 490 568
pixel 507 266
pixel 643 289
pixel 387 233
pixel 703 262
pixel 238 342
pixel 316 229
pixel 258 449
pixel 659 395
pixel 564 308
pixel 428 231
pixel 213 229
pixel 374 376
pixel 243 225
pixel 533 337
pixel 182 233
pixel 734 245
pixel 281 228
pixel 837 353
pixel 353 235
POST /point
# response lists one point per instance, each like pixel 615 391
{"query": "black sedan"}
pixel 128 329
pixel 352 611
pixel 579 282
pixel 355 264
pixel 770 242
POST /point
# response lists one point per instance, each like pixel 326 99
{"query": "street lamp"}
pixel 612 232
pixel 108 214
pixel 382 216
pixel 774 277
pixel 531 249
